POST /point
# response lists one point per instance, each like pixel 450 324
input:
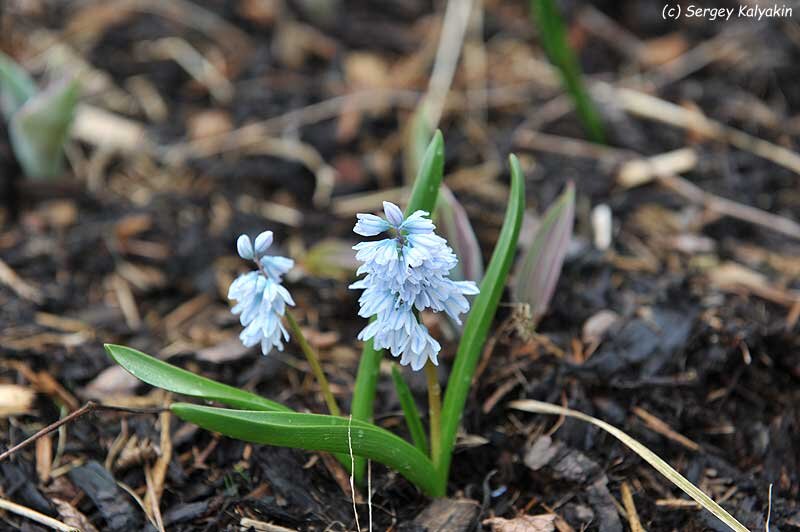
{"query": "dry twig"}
pixel 36 516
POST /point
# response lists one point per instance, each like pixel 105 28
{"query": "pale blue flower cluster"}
pixel 261 299
pixel 406 272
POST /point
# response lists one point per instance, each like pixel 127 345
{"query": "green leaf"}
pixel 16 86
pixel 479 320
pixel 554 41
pixel 529 405
pixel 453 223
pixel 39 129
pixel 160 374
pixel 409 406
pixel 429 178
pixel 423 197
pixel 541 266
pixel 316 432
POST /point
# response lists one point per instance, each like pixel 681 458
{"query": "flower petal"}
pixel 370 225
pixel 244 247
pixel 263 242
pixel 393 213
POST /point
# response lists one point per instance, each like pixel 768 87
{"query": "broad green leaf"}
pixel 538 407
pixel 39 129
pixel 16 86
pixel 413 419
pixel 479 320
pixel 423 197
pixel 554 41
pixel 315 432
pixel 453 223
pixel 540 269
pixel 160 374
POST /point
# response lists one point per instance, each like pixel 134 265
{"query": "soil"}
pixel 684 333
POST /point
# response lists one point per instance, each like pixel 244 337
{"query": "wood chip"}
pixel 651 107
pixel 15 400
pixel 44 383
pixel 104 129
pixel 72 516
pixel 18 285
pixel 111 382
pixel 157 474
pixel 733 277
pixel 126 301
pixel 36 516
pixel 44 457
pixel 640 171
pixel 523 523
pixel 61 323
pixel 260 526
pixel 630 508
pixel 659 426
pixel 185 311
pixel 225 351
pixel 453 515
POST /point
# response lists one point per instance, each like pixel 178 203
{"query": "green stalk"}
pixel 434 412
pixel 423 197
pixel 478 322
pixel 554 41
pixel 313 361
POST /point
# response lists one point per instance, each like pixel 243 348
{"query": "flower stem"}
pixel 313 360
pixel 434 411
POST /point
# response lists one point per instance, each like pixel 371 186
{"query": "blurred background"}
pixel 675 316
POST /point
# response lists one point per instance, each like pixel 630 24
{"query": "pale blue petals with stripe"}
pixel 260 298
pixel 408 271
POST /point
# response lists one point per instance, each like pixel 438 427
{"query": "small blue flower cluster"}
pixel 406 272
pixel 261 299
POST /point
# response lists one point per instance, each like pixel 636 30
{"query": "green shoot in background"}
pixel 38 121
pixel 553 37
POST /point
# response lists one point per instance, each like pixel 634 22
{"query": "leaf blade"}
pixel 410 411
pixel 163 375
pixel 454 224
pixel 39 129
pixel 479 320
pixel 538 274
pixel 16 86
pixel 315 432
pixel 554 40
pixel 429 178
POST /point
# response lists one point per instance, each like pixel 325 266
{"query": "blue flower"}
pixel 261 299
pixel 407 272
